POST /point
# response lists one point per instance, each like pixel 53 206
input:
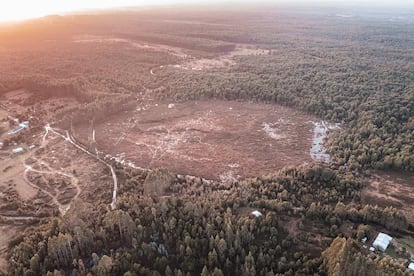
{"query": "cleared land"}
pixel 391 189
pixel 213 139
pixel 48 177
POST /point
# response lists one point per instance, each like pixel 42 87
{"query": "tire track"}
pixel 70 139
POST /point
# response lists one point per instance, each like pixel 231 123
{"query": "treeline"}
pixel 96 110
pixel 375 102
pixel 194 43
pixel 202 228
pixel 311 191
pixel 343 257
pixel 362 77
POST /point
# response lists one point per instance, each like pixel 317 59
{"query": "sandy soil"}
pixel 213 139
pixel 391 189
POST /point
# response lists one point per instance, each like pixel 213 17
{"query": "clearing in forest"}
pixel 391 189
pixel 224 140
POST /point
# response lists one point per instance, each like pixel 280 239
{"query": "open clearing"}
pixel 213 139
pixel 44 181
pixel 187 61
pixel 47 178
pixel 391 189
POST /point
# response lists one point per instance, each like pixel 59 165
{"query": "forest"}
pixel 355 71
pixel 351 73
pixel 207 229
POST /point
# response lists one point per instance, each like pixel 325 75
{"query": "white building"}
pixel 411 267
pixel 21 126
pixel 382 241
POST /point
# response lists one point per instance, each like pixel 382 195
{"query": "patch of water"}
pixel 320 132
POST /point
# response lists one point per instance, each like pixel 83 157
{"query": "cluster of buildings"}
pixel 20 127
pixel 381 243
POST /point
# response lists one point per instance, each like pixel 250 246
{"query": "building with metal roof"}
pixel 411 266
pixel 382 241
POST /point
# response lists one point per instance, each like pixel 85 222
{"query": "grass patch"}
pixel 407 243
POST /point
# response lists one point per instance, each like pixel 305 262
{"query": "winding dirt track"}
pixel 75 182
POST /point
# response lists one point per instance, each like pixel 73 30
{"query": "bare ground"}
pixel 188 62
pixel 213 139
pixel 391 189
pixel 59 176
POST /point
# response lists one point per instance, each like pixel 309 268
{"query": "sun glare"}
pixel 17 10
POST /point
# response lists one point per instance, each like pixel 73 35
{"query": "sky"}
pixel 12 10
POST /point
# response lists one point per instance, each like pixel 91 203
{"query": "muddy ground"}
pixel 213 139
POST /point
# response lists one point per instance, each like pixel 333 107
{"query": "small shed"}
pixel 382 241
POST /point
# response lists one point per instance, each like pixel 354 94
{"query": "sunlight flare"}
pixel 26 9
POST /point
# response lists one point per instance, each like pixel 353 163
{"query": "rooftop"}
pixel 411 266
pixel 382 241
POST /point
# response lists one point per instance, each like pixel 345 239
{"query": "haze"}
pixel 25 9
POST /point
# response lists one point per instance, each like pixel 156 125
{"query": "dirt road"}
pixel 70 139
